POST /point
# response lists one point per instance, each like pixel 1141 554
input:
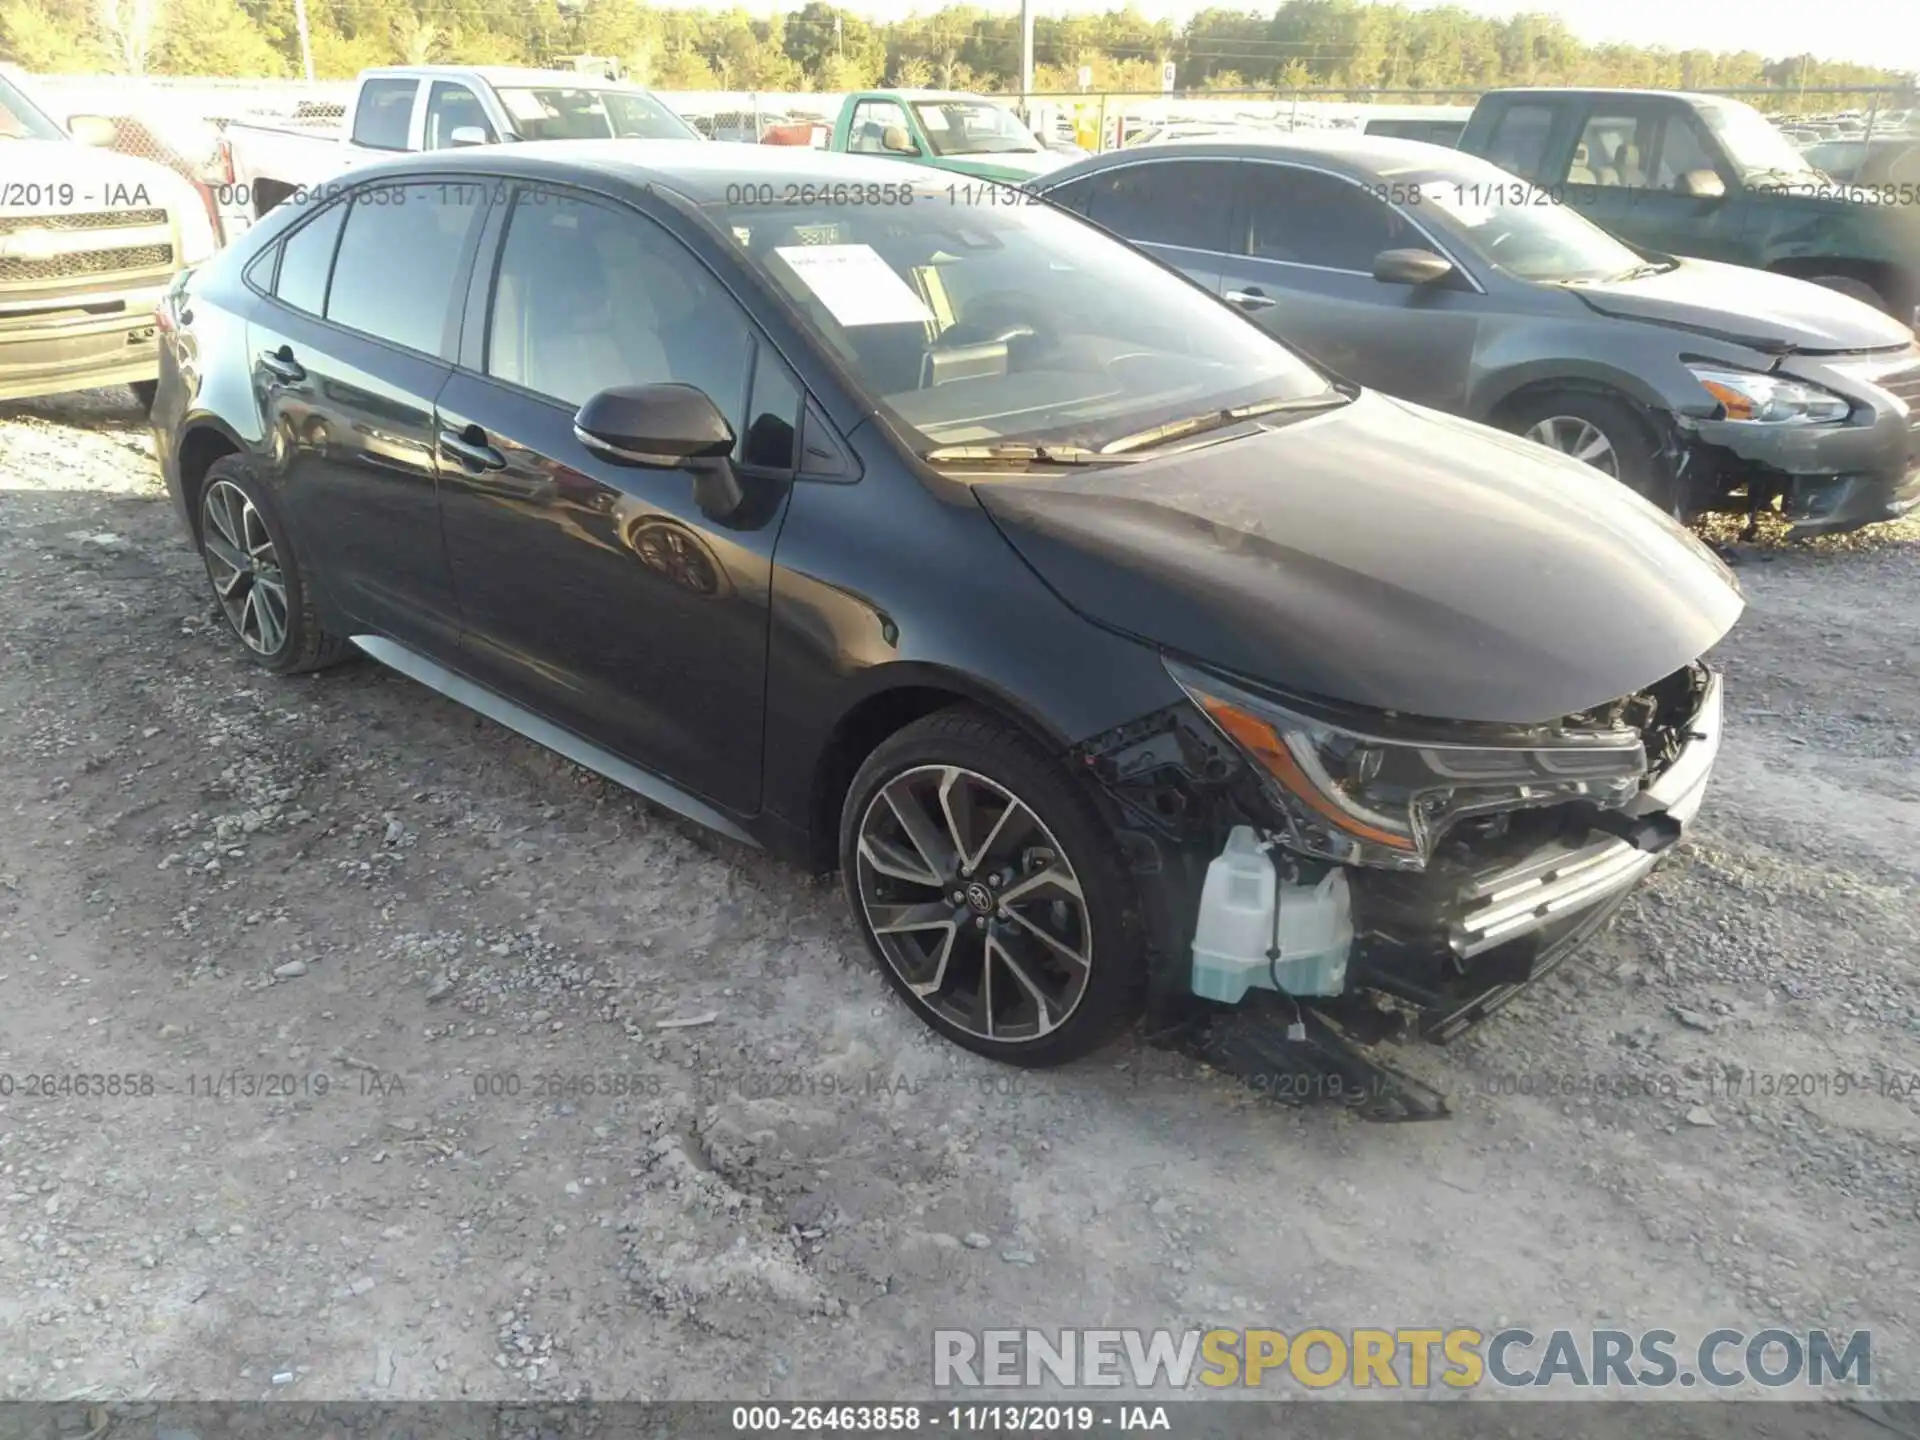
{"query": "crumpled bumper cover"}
pixel 1507 904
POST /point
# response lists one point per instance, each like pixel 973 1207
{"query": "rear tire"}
pixel 990 891
pixel 1607 433
pixel 143 393
pixel 255 573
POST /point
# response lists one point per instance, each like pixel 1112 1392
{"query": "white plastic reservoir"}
pixel 1237 927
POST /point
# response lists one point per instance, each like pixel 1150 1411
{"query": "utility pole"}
pixel 1026 51
pixel 306 40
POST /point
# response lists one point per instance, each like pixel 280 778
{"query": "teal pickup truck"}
pixel 967 134
pixel 1705 176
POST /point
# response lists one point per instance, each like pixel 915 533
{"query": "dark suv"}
pixel 923 530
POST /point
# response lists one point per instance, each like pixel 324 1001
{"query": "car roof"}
pixel 701 170
pixel 1349 152
pixel 500 75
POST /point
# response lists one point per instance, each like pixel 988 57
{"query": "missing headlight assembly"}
pixel 1333 875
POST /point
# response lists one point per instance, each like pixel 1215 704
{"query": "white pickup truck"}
pixel 89 241
pixel 436 107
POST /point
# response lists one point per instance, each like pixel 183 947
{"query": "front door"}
pixel 597 594
pixel 1302 265
pixel 1628 174
pixel 1178 210
pixel 347 360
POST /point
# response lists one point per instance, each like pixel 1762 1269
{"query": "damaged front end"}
pixel 1336 876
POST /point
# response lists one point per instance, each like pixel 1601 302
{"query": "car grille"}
pixel 83 220
pixel 1905 384
pixel 85 263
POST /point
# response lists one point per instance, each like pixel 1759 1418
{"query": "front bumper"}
pixel 80 343
pixel 1546 889
pixel 1830 478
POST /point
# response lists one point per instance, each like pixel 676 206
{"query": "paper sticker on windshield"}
pixel 855 284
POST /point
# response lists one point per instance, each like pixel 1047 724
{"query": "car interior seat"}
pixel 1580 171
pixel 1627 161
pixel 565 335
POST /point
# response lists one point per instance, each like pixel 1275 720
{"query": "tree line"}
pixel 1304 44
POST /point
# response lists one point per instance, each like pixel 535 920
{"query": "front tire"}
pixel 990 891
pixel 1606 433
pixel 255 574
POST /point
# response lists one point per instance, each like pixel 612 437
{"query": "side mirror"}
pixel 1410 267
pixel 1703 185
pixel 95 130
pixel 467 135
pixel 895 140
pixel 665 427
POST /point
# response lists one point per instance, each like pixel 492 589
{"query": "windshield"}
pixel 973 127
pixel 1003 319
pixel 21 119
pixel 582 113
pixel 1519 229
pixel 1756 149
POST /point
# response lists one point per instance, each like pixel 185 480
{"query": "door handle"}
pixel 1251 298
pixel 281 365
pixel 470 448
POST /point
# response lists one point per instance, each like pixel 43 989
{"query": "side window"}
pixel 1519 140
pixel 871 120
pixel 1176 202
pixel 1073 195
pixel 589 297
pixel 450 107
pixel 1682 152
pixel 306 259
pixel 1304 217
pixel 773 414
pixel 399 262
pixel 1613 148
pixel 381 118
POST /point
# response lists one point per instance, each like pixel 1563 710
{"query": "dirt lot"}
pixel 209 877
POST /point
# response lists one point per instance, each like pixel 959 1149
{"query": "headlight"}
pixel 1769 399
pixel 1373 789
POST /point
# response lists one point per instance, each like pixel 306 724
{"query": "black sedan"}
pixel 1442 279
pixel 912 526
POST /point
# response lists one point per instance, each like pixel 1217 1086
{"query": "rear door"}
pixel 1302 266
pixel 597 594
pixel 347 359
pixel 1179 209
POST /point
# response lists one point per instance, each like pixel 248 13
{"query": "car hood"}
pixel 101 179
pixel 1384 555
pixel 1773 313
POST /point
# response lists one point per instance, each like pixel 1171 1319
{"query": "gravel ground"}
pixel 209 877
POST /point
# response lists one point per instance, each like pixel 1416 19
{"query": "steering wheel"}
pixel 994 319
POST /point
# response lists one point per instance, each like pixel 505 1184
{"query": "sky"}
pixel 1871 32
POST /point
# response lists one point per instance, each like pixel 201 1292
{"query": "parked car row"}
pixel 1115 651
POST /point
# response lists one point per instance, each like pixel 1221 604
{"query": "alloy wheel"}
pixel 245 567
pixel 974 904
pixel 1581 439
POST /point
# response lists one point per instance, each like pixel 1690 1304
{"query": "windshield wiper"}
pixel 1217 419
pixel 1640 272
pixel 1020 452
